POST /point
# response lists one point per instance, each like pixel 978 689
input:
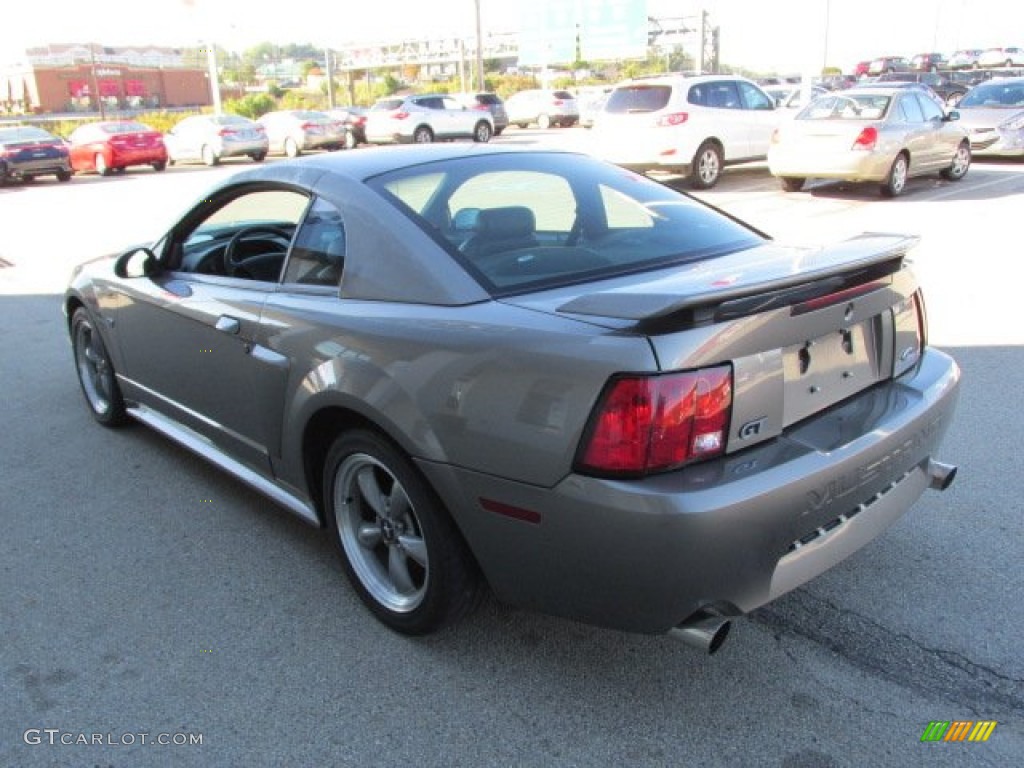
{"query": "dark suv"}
pixel 489 101
pixel 949 91
pixel 928 62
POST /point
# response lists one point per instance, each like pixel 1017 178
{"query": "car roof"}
pixel 373 161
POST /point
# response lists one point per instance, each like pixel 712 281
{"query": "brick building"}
pixel 68 78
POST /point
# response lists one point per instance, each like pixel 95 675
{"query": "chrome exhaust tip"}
pixel 940 476
pixel 703 631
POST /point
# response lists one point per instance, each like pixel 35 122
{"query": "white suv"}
pixel 425 118
pixel 688 125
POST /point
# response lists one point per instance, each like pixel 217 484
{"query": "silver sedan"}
pixel 531 371
pixel 883 135
pixel 993 114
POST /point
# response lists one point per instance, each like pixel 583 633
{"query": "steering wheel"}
pixel 233 265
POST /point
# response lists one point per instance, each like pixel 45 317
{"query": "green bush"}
pixel 253 106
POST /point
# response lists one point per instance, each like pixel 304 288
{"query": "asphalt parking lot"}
pixel 147 593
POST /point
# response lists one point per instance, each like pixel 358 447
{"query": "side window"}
pixel 931 110
pixel 910 110
pixel 450 103
pixel 724 95
pixel 318 253
pixel 698 95
pixel 753 97
pixel 245 237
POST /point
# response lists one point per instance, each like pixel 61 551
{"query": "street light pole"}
pixel 479 49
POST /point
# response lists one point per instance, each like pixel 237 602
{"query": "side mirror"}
pixel 952 115
pixel 136 262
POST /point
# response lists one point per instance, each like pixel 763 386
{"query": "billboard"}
pixel 607 29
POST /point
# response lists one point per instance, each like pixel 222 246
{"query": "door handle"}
pixel 228 324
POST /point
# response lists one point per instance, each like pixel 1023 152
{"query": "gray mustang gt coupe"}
pixel 528 371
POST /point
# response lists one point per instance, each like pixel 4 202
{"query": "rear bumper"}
pixel 37 167
pixel 848 166
pixel 730 535
pixel 119 158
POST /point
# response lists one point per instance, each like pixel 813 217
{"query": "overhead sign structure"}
pixel 607 29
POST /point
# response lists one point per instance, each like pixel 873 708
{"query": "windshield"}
pixel 25 133
pixel 520 221
pixel 996 94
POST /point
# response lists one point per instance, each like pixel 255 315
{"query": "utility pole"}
pixel 96 83
pixel 330 79
pixel 479 49
pixel 211 64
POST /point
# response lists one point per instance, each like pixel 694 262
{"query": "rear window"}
pixel 130 127
pixel 638 98
pixel 563 95
pixel 487 98
pixel 386 105
pixel 519 223
pixel 860 106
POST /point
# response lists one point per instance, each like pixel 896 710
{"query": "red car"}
pixel 114 145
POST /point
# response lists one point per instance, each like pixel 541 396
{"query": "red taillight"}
pixel 480 107
pixel 399 115
pixel 226 132
pixel 308 126
pixel 645 424
pixel 866 139
pixel 557 103
pixel 676 118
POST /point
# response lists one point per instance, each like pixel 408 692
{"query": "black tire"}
pixel 523 125
pixel 482 132
pixel 960 164
pixel 707 166
pixel 95 372
pixel 423 135
pixel 896 181
pixel 497 131
pixel 259 157
pixel 159 167
pixel 63 175
pixel 792 183
pixel 209 156
pixel 398 545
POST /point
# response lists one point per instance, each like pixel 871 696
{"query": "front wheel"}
pixel 399 548
pixel 961 163
pixel 63 175
pixel 792 183
pixel 707 166
pixel 101 165
pixel 160 166
pixel 896 182
pixel 543 122
pixel 95 372
pixel 482 132
pixel 350 140
pixel 291 148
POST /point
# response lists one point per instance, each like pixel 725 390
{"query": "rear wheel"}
pixel 101 165
pixel 259 157
pixel 792 183
pixel 95 372
pixel 160 166
pixel 707 166
pixel 543 122
pixel 209 156
pixel 63 175
pixel 896 182
pixel 961 163
pixel 482 132
pixel 291 148
pixel 423 135
pixel 399 548
pixel 350 140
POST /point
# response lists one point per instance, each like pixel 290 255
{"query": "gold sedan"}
pixel 883 135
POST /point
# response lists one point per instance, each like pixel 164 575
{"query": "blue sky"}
pixel 782 35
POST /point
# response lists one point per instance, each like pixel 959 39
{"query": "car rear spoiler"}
pixel 819 272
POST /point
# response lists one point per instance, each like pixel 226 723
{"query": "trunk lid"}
pixel 802 328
